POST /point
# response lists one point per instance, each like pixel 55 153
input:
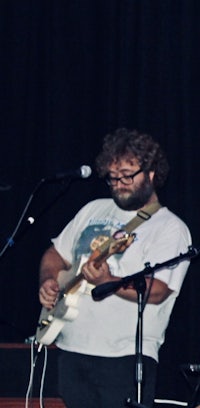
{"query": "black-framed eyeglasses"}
pixel 112 181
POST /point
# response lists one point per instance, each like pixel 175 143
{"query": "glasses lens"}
pixel 126 179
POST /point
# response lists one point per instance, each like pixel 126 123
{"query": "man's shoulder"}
pixel 166 212
pixel 170 218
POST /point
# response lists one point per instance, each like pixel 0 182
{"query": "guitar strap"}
pixel 144 214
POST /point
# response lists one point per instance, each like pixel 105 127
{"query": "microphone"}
pixel 106 289
pixel 82 172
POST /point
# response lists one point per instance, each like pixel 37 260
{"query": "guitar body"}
pixel 73 284
pixel 51 322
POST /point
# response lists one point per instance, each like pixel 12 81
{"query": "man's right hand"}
pixel 48 293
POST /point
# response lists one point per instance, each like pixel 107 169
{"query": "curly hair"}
pixel 129 144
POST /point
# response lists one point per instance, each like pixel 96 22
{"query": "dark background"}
pixel 70 72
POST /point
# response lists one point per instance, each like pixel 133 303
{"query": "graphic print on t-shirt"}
pixel 90 236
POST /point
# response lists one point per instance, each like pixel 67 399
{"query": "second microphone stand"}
pixel 139 284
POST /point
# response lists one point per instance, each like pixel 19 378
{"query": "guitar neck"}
pixel 97 257
pixel 73 283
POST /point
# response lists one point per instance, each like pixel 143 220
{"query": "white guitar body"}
pixel 52 321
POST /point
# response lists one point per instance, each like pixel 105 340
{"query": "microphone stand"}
pixel 138 282
pixel 31 221
pixel 140 286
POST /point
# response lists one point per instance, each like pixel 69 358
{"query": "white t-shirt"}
pixel 108 327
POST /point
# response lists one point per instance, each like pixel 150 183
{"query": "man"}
pixel 97 358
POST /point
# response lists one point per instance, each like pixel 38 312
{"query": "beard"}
pixel 133 200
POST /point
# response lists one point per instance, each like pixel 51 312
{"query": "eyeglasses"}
pixel 112 181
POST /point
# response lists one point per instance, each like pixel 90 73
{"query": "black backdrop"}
pixel 70 71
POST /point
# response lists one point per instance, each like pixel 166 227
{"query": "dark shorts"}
pixel 101 382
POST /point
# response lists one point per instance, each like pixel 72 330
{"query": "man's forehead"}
pixel 123 161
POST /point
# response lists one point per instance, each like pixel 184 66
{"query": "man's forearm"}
pixel 51 264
